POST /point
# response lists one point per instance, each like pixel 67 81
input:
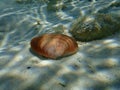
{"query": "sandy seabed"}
pixel 96 65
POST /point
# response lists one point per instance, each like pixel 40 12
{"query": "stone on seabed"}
pixel 95 27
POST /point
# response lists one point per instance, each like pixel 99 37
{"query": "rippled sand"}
pixel 96 65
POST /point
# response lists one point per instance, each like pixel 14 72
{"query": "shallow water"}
pixel 96 65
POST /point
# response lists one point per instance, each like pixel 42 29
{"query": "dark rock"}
pixel 95 27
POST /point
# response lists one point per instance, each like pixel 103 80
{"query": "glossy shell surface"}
pixel 54 45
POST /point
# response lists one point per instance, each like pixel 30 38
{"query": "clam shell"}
pixel 54 45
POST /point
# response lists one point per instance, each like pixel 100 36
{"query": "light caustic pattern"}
pixel 95 66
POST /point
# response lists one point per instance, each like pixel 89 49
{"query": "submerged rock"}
pixel 95 27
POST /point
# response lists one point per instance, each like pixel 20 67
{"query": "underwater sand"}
pixel 96 65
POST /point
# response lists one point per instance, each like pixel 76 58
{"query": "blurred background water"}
pixel 96 66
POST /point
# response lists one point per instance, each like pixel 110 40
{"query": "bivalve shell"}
pixel 54 45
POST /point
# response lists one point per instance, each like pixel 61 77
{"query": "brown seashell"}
pixel 54 45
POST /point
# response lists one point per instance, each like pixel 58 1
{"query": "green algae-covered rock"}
pixel 95 27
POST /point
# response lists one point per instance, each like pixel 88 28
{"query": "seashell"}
pixel 54 45
pixel 96 26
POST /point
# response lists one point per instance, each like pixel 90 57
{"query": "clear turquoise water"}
pixel 96 66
